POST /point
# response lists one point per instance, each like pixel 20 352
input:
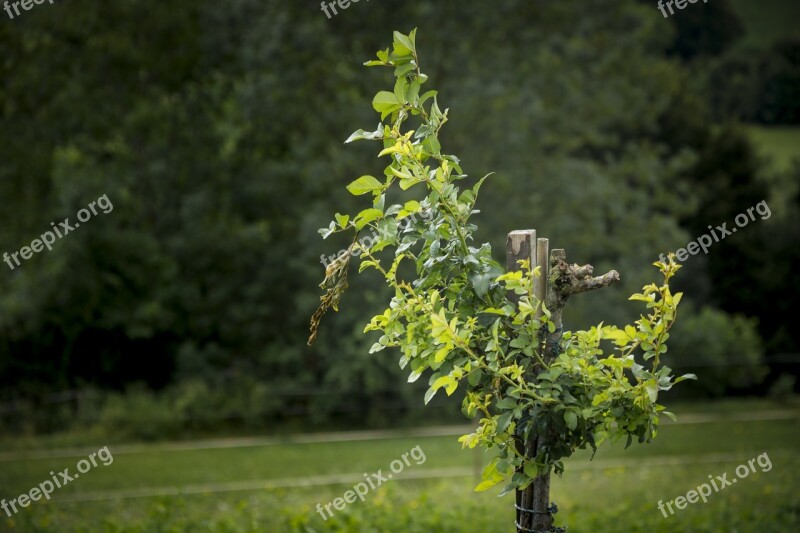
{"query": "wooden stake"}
pixel 558 281
pixel 537 494
pixel 520 245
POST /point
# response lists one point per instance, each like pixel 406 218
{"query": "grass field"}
pixel 250 486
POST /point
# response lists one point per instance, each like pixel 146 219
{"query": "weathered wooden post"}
pixel 521 245
pixel 557 282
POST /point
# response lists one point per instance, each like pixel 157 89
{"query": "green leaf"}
pixel 652 390
pixel 504 420
pixel 620 337
pixel 487 484
pixel 685 376
pixel 490 476
pixel 342 220
pixel 599 398
pixel 396 147
pixel 571 419
pixel 477 186
pixel 366 216
pixel 428 94
pixel 507 403
pixel 413 92
pixel 441 353
pixel 508 488
pixel 400 88
pixel 356 136
pixel 412 36
pixel 430 394
pixel 402 173
pixel 326 232
pixel 363 185
pixel 414 376
pixel 474 377
pixel 480 282
pixel 520 342
pixel 407 184
pixel 359 135
pixel 377 347
pixel 531 470
pixel 449 382
pixel 385 103
pixel 432 145
pixel 365 265
pixel 409 208
pixel 402 70
pixel 402 44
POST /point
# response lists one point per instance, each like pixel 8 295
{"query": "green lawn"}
pixel 618 491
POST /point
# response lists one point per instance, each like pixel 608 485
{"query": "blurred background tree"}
pixel 216 129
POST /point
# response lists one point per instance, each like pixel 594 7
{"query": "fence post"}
pixel 557 281
pixel 532 502
pixel 541 519
pixel 521 245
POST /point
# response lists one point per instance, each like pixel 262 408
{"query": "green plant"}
pixel 455 317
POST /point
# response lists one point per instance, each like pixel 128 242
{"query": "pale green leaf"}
pixel 385 101
pixel 366 216
pixel 363 185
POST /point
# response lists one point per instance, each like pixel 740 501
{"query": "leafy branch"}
pixel 454 316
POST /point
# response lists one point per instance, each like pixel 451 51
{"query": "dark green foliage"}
pixel 780 100
pixel 758 86
pixel 704 29
pixel 732 361
pixel 215 127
